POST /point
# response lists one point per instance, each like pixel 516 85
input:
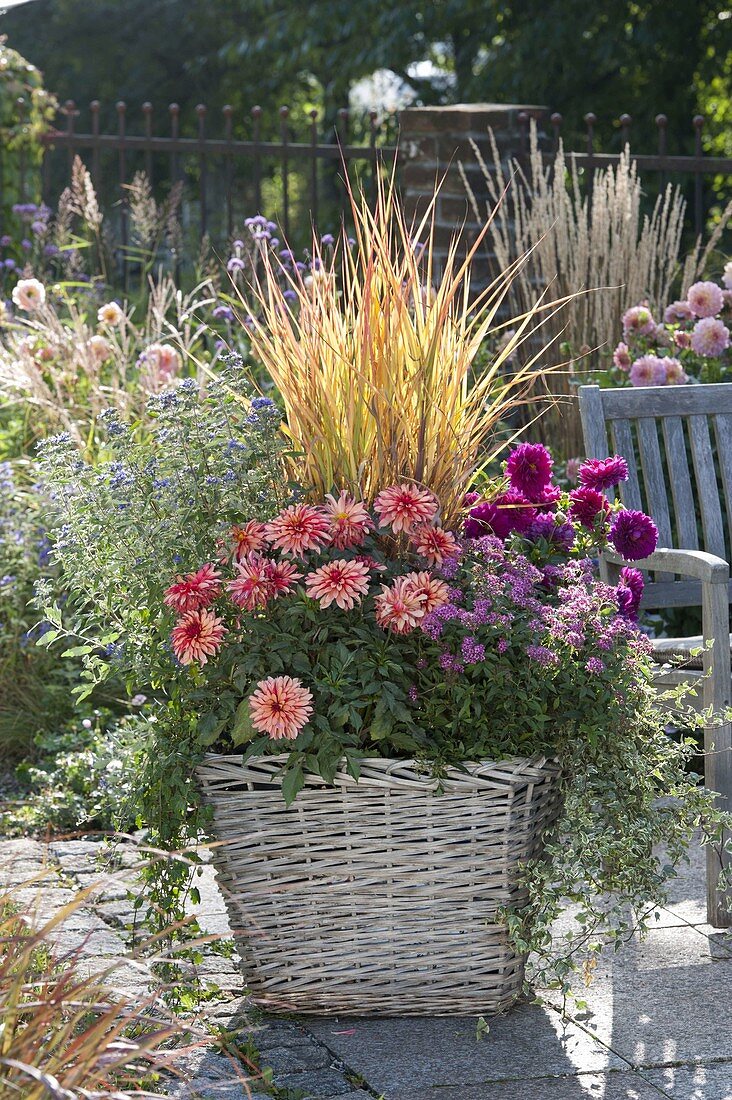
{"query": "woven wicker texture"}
pixel 378 898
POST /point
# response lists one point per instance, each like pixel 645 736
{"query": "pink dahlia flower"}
pixel 622 357
pixel 100 348
pixel 705 299
pixel 197 636
pixel 400 607
pixel 677 311
pixel 435 592
pixel 403 507
pixel 573 469
pixel 675 373
pixel 280 706
pixel 511 511
pixel 662 337
pixel 682 339
pixel 349 520
pixel 245 539
pixel 603 473
pixel 648 371
pixel 587 506
pixel 194 590
pixel 299 528
pixel 529 469
pixel 435 544
pixel 638 321
pixel 252 586
pixel 633 534
pixel 343 582
pixel 282 576
pixel 710 337
pixel 160 364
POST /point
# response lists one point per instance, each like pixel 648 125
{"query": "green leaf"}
pixel 77 651
pixel 209 728
pixel 243 730
pixel 292 784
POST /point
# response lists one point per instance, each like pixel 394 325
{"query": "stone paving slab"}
pixel 600 1086
pixel 711 1081
pixel 664 1012
pixel 401 1055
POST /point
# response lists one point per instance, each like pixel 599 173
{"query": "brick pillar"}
pixel 433 140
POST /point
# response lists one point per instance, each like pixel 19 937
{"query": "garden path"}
pixel 656 1025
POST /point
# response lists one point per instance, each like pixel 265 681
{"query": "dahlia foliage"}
pixel 691 343
pixel 332 631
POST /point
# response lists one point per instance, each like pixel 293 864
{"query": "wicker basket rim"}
pixel 389 772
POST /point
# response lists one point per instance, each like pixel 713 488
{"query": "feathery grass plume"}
pixel 78 208
pixel 575 244
pixel 376 356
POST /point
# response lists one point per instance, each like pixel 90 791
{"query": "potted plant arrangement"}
pixel 419 721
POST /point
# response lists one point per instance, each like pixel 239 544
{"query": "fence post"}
pixel 433 142
pixel 698 177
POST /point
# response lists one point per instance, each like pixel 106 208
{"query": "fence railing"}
pixel 233 174
pixel 699 165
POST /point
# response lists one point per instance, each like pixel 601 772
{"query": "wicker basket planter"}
pixel 378 898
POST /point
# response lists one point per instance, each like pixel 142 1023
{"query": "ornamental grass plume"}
pixel 375 354
pixel 65 1032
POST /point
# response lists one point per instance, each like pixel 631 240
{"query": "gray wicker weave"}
pixel 378 898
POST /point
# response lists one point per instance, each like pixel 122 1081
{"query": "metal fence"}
pixel 697 166
pixel 292 169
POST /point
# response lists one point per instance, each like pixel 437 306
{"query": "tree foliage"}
pixel 612 56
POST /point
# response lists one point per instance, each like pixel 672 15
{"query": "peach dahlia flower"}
pixel 280 706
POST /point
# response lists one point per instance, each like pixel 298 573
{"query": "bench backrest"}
pixel 677 441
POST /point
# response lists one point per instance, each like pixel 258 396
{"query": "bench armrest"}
pixel 687 563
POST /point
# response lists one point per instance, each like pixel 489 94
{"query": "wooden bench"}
pixel 691 502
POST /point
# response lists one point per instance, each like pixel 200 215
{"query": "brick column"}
pixel 433 141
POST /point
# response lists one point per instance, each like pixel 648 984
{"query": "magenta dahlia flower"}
pixel 586 505
pixel 603 473
pixel 630 591
pixel 511 511
pixel 546 527
pixel 634 535
pixel 529 469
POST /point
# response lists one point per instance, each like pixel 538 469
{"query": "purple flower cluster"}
pixel 472 651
